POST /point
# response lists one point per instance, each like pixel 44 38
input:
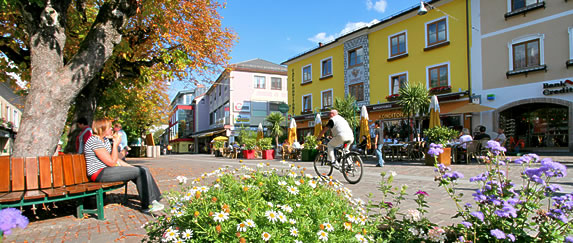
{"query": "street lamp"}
pixel 423 10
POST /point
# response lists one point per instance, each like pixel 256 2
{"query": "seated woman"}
pixel 465 137
pixel 103 165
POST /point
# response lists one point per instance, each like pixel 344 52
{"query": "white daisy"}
pixel 204 189
pixel 312 183
pixel 270 204
pixel 309 176
pixel 361 238
pixel 282 183
pixel 182 179
pixel 293 231
pixel 266 236
pixel 242 227
pixel 292 174
pixel 281 217
pixel 250 223
pixel 322 235
pixel 328 227
pixel 171 234
pixel 297 241
pixel 347 226
pixel 293 190
pixel 179 214
pixel 220 216
pixel 261 165
pixel 287 208
pixel 292 221
pixel 351 218
pixel 187 234
pixel 297 205
pixel 297 183
pixel 271 215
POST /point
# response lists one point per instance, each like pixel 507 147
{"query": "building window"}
pixel 276 83
pixel 397 82
pixel 526 54
pixel 438 76
pixel 398 44
pixel 520 4
pixel 436 32
pixel 570 42
pixel 326 67
pixel 307 103
pixel 357 90
pixel 259 82
pixel 355 57
pixel 307 73
pixel 326 99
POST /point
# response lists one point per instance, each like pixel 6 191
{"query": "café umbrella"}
pixel 291 131
pixel 434 112
pixel 260 133
pixel 364 128
pixel 317 125
pixel 221 138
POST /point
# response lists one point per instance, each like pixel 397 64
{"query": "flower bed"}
pixel 247 205
pixel 440 90
pixel 393 97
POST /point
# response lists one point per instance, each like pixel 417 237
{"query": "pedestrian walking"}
pixel 379 142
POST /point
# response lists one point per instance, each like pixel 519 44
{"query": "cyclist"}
pixel 341 132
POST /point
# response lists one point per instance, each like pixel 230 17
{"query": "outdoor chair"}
pixel 286 151
pixel 235 153
pixel 472 150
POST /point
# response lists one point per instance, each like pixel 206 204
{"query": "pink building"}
pixel 243 96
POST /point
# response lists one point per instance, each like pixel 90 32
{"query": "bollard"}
pixel 149 150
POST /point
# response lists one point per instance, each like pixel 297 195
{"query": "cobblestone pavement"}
pixel 123 222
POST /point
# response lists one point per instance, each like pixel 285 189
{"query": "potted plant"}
pixel 267 148
pixel 309 152
pixel 441 136
pixel 250 145
pixel 218 147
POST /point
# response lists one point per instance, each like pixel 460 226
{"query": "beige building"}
pixel 521 58
pixel 11 106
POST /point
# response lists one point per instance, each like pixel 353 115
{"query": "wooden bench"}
pixel 30 181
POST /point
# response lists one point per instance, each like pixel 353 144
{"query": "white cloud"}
pixel 379 6
pixel 321 37
pixel 351 26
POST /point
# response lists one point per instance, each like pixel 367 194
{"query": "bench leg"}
pixel 125 194
pixel 80 209
pixel 99 201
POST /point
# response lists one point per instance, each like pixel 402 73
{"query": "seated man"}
pixel 482 134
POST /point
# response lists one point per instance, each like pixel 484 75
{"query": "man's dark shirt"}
pixel 482 136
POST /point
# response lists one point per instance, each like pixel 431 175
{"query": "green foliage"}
pixel 347 108
pixel 310 142
pixel 245 133
pixel 277 205
pixel 414 99
pixel 276 119
pixel 440 134
pixel 265 143
pixel 219 144
pixel 250 143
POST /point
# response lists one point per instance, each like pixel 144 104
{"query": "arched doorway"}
pixel 542 126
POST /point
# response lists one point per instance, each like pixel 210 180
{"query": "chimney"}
pixel 319 44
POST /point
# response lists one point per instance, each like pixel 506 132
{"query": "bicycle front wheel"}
pixel 322 166
pixel 352 168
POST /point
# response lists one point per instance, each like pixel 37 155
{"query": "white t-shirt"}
pixel 465 138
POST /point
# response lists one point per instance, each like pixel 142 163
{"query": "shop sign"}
pixel 558 88
pixel 242 118
pixel 283 108
pixel 381 107
pixel 244 106
pixel 392 115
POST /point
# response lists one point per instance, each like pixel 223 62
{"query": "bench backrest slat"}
pixel 31 173
pixel 4 173
pixel 18 183
pixel 45 172
pixel 68 170
pixel 84 168
pixel 57 171
pixel 78 171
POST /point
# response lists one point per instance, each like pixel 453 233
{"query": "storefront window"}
pixel 538 126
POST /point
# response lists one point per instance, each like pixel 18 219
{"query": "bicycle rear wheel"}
pixel 321 165
pixel 352 168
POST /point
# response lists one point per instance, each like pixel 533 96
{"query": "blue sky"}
pixel 278 30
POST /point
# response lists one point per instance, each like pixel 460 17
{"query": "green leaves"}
pixel 347 108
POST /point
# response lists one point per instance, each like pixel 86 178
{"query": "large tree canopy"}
pixel 61 47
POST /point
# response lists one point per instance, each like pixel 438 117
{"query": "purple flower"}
pixel 453 176
pixel 468 205
pixel 420 192
pixel 482 177
pixel 511 237
pixel 569 239
pixel 388 204
pixel 478 215
pixel 495 147
pixel 435 150
pixel 467 224
pixel 553 169
pixel 497 234
pixel 527 159
pixel 12 218
pixel 507 211
pixel 553 188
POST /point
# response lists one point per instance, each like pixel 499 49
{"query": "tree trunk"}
pixel 54 85
pixel 85 105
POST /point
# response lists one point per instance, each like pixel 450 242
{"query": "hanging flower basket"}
pixel 392 97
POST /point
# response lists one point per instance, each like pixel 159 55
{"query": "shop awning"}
pixel 208 134
pixel 470 108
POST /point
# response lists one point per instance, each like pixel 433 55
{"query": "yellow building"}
pixel 373 62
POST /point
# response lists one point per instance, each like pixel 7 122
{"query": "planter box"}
pixel 268 154
pixel 444 158
pixel 309 154
pixel 218 153
pixel 249 154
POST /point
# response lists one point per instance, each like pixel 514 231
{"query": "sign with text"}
pixel 242 118
pixel 558 88
pixel 244 106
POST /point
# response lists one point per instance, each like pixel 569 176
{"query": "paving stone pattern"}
pixel 123 222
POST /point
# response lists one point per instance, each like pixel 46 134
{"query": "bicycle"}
pixel 350 161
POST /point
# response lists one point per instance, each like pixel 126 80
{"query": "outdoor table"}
pixel 396 150
pixel 455 147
